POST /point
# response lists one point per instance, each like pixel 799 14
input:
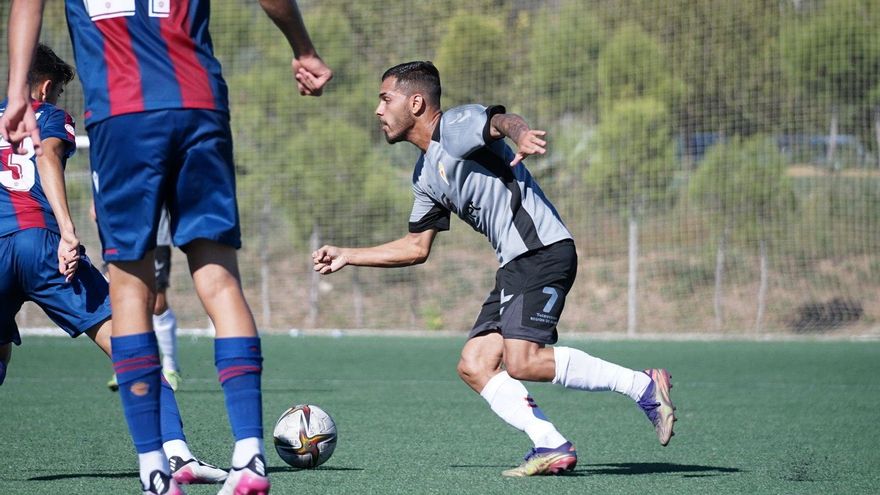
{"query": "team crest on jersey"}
pixel 442 171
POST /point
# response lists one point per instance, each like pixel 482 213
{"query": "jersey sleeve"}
pixel 426 213
pixel 59 124
pixel 466 128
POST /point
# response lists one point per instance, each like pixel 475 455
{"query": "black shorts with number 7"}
pixel 529 295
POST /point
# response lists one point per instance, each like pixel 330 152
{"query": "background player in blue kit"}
pixel 465 167
pixel 45 262
pixel 158 121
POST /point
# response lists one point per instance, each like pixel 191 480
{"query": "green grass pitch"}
pixel 755 417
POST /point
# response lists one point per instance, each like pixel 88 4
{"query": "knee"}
pixel 467 369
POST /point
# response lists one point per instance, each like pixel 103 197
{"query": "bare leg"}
pixel 481 360
pixel 100 334
pixel 214 269
pixel 529 361
pixel 132 294
pixel 480 368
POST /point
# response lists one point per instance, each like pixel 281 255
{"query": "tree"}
pixel 472 58
pixel 632 65
pixel 744 185
pixel 632 169
pixel 565 47
pixel 834 54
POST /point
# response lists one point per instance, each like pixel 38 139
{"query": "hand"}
pixel 328 259
pixel 69 255
pixel 311 74
pixel 529 143
pixel 17 123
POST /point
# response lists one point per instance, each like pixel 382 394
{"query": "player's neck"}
pixel 420 134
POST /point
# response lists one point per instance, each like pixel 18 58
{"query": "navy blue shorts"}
pixel 181 158
pixel 30 273
pixel 529 295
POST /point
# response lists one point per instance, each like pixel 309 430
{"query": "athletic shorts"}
pixel 529 295
pixel 30 273
pixel 180 158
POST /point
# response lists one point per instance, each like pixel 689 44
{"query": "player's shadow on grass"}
pixel 70 476
pixel 631 468
pixel 634 468
pixel 134 474
pixel 282 469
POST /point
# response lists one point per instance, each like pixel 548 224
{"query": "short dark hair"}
pixel 48 65
pixel 417 76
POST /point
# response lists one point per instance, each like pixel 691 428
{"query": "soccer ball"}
pixel 305 436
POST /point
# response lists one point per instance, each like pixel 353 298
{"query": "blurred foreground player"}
pixel 46 263
pixel 466 168
pixel 158 122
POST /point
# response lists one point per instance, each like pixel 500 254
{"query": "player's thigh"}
pixel 204 203
pixel 75 306
pixel 131 158
pixel 483 351
pixel 11 294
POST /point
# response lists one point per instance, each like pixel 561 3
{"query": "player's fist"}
pixel 328 259
pixel 311 74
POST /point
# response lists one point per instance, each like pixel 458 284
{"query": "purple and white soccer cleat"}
pixel 544 461
pixel 658 406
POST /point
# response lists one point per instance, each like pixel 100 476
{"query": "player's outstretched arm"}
pixel 309 70
pixel 528 141
pixel 51 171
pixel 18 121
pixel 412 249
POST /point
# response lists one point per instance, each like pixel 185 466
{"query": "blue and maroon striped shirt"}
pixel 139 55
pixel 23 204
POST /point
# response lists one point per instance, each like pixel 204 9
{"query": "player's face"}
pixel 393 112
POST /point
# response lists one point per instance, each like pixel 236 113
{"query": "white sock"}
pixel 177 448
pixel 510 400
pixel 165 326
pixel 245 449
pixel 577 369
pixel 152 461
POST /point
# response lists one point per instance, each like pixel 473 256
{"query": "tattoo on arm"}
pixel 510 125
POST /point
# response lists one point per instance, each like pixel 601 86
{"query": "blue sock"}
pixel 2 372
pixel 172 425
pixel 136 362
pixel 239 365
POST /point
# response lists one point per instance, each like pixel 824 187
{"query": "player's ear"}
pixel 43 90
pixel 417 104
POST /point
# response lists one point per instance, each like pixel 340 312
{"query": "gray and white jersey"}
pixel 467 172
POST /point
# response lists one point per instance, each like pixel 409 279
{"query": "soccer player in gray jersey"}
pixel 467 169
